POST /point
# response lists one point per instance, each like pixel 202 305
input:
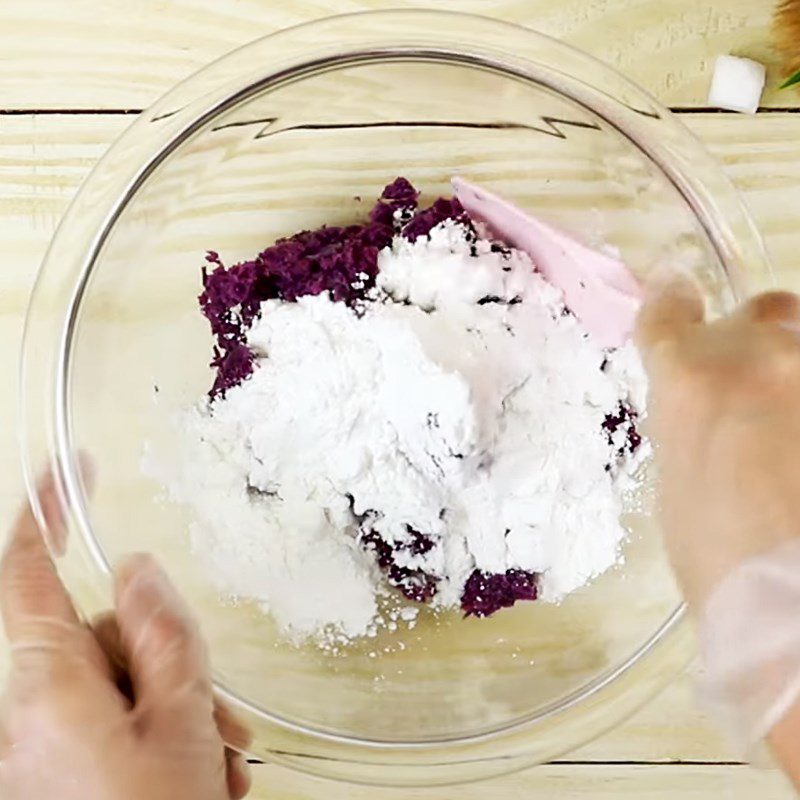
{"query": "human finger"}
pixel 106 630
pixel 165 652
pixel 673 303
pixel 107 634
pixel 237 774
pixel 771 307
pixel 233 731
pixel 33 600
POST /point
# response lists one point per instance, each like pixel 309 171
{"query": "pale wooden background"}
pixel 74 72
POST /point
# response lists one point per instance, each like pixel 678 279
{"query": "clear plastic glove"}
pixel 725 416
pixel 123 712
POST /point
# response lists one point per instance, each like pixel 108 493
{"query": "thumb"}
pixel 35 605
pixel 166 654
pixel 674 302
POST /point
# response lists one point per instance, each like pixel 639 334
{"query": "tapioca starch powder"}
pixel 457 424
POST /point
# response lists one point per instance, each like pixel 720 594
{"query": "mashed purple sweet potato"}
pixel 339 260
pixel 343 261
pixel 484 594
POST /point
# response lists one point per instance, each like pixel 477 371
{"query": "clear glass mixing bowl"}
pixel 288 133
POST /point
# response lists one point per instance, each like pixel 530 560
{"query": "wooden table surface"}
pixel 73 73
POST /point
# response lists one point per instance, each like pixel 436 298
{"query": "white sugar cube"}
pixel 737 84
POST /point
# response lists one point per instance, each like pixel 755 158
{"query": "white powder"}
pixel 477 424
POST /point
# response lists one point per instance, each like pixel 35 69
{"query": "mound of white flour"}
pixel 463 403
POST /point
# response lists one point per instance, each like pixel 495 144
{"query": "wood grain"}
pixel 44 158
pixel 121 54
pixel 564 782
pixel 117 54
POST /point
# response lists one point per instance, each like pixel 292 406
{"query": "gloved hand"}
pixel 724 414
pixel 67 728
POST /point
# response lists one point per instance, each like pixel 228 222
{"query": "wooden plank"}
pixel 118 54
pixel 554 782
pixel 43 159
